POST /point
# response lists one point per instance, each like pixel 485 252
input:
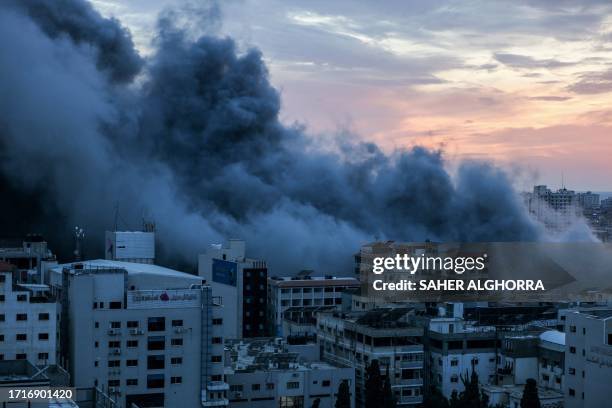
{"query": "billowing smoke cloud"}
pixel 192 139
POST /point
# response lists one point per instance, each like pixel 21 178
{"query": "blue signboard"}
pixel 224 272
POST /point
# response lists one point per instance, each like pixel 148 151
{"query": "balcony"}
pixel 223 402
pixel 217 386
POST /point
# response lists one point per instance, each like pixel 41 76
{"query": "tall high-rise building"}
pixel 242 284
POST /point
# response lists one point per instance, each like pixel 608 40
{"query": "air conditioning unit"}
pixel 180 330
pixel 116 351
pixel 136 332
pixel 112 332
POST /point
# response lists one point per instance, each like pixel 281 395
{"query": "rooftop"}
pixel 132 268
pixel 553 336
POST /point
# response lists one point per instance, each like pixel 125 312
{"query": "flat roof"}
pixel 132 268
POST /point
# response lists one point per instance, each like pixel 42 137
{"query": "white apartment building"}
pixel 142 333
pixel 588 358
pixel 304 291
pixel 242 284
pixel 388 335
pixel 455 348
pixel 28 320
pixel 264 373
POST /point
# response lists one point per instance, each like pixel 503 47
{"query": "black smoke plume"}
pixel 191 137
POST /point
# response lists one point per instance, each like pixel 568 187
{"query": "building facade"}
pixel 28 320
pixel 388 335
pixel 141 333
pixel 304 291
pixel 242 284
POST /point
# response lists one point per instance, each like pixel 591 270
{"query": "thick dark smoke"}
pixel 192 138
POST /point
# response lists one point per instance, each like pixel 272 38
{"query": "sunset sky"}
pixel 525 84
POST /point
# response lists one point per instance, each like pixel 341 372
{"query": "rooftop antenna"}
pixel 79 234
pixel 562 181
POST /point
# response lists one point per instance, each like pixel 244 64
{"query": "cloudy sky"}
pixel 526 84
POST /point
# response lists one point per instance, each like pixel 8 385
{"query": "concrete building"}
pixel 588 359
pixel 142 333
pixel 551 360
pixel 388 335
pixel 556 209
pixel 29 255
pixel 306 291
pixel 28 320
pixel 454 349
pixel 130 246
pixel 241 283
pixel 264 373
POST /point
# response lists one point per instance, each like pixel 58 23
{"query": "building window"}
pixel 114 363
pixel 2 318
pixel 571 371
pixel 43 316
pixel 22 298
pixel 21 356
pixel 157 323
pixel 115 325
pixel 217 340
pixel 326 383
pixel 292 385
pixel 255 387
pixel 176 380
pixel 177 323
pixel 22 317
pixel 22 337
pixel 114 344
pixel 1 338
pixel 131 363
pixel 571 392
pixel 572 349
pixel 454 363
pixel 215 359
pixel 43 356
pixel 132 343
pixel 43 336
pixel 609 339
pixel 131 381
pixel 132 324
pixel 114 305
pixel 156 362
pixel 217 322
pixel 236 388
pixel 176 342
pixel 156 343
pixel 113 383
pixel 269 386
pixel 176 360
pixel 573 329
pixel 97 325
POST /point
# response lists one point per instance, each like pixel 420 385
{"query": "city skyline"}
pixel 526 85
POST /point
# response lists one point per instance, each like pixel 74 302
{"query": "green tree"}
pixel 388 397
pixel 530 397
pixel 344 396
pixel 373 385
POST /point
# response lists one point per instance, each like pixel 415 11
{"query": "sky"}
pixel 527 85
